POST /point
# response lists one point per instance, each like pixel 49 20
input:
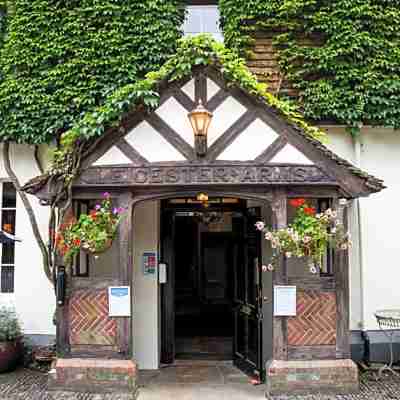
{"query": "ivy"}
pixel 62 58
pixel 201 50
pixel 343 56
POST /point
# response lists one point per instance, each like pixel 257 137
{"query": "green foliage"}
pixel 201 50
pixel 63 58
pixel 342 55
pixel 3 20
pixel 10 328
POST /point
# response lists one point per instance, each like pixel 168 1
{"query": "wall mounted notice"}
pixel 119 301
pixel 285 301
pixel 149 262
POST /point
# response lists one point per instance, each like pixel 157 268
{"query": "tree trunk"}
pixel 29 210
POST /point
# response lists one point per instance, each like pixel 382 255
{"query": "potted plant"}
pixel 10 339
pixel 93 232
pixel 308 236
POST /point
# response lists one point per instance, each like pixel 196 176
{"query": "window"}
pixel 202 19
pixel 7 250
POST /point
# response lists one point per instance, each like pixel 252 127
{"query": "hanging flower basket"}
pixel 93 233
pixel 307 237
pixel 100 249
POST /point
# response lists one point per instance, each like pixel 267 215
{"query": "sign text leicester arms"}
pixel 201 175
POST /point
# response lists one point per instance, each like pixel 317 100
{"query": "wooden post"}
pixel 125 234
pixel 280 342
pixel 341 271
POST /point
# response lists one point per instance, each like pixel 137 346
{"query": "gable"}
pixel 236 132
pixel 248 143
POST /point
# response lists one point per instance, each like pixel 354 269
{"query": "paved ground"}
pixel 203 382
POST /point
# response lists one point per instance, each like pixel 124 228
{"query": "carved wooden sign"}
pixel 216 174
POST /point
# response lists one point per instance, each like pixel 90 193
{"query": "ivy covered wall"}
pixel 63 57
pixel 342 55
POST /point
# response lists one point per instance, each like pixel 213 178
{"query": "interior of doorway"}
pixel 207 237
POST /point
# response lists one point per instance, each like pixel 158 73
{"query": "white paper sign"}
pixel 285 301
pixel 119 301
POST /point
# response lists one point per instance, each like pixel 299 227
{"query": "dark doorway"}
pixel 211 301
pixel 203 289
pixel 205 239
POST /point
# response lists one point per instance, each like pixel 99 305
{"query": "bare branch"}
pixel 29 210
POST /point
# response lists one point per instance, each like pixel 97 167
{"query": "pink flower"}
pixel 260 225
pixel 270 267
pixel 106 194
pixel 98 206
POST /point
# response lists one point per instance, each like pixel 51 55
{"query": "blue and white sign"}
pixel 119 301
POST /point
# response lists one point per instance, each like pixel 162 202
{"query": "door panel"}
pixel 248 355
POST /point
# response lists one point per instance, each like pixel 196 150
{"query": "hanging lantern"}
pixel 200 119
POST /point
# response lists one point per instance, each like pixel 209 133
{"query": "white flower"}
pixel 290 230
pixel 274 244
pixel 318 216
pixel 334 214
pixel 260 225
pixel 270 267
pixel 268 236
pixel 313 269
pixel 288 254
pixel 333 230
pixel 343 246
pixel 328 212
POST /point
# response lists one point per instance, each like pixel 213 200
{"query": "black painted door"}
pixel 248 318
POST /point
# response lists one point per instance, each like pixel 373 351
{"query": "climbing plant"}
pixel 201 50
pixel 62 58
pixel 342 55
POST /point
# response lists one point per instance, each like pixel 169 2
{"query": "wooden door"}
pixel 248 316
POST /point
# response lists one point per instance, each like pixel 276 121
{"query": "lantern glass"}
pixel 200 119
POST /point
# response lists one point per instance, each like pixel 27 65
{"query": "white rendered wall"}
pixel 145 287
pixel 380 240
pixel 33 298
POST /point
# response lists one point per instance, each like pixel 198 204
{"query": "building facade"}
pixel 195 267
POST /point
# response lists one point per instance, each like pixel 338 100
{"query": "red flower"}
pixel 93 214
pixel 310 210
pixel 77 242
pixel 297 202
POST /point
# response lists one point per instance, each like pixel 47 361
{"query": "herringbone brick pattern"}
pixel 315 323
pixel 89 320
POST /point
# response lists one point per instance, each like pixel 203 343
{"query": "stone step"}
pixel 94 375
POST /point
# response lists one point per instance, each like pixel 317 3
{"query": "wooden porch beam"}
pixel 280 340
pixel 125 234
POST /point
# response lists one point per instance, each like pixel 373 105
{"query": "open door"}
pixel 248 299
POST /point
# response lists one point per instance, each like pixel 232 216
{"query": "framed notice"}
pixel 149 263
pixel 285 301
pixel 119 301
